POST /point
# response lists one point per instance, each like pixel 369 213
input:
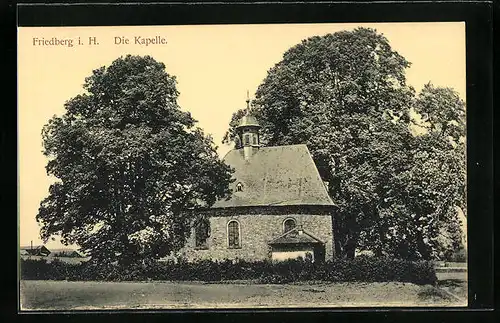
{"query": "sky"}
pixel 215 66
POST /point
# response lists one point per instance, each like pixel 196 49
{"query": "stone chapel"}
pixel 279 207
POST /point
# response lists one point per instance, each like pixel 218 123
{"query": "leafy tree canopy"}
pixel 346 97
pixel 128 162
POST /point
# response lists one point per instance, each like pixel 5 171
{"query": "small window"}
pixel 233 234
pixel 202 233
pixel 246 139
pixel 237 142
pixel 254 140
pixel 289 224
pixel 239 187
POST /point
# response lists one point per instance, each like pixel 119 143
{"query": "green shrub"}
pixel 359 269
pixel 459 255
pixel 34 269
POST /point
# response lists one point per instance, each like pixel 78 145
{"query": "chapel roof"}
pixel 275 176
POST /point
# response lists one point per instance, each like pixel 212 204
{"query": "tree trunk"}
pixel 350 250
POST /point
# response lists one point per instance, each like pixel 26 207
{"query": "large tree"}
pixel 345 96
pixel 419 216
pixel 128 163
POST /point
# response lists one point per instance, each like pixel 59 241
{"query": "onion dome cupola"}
pixel 248 131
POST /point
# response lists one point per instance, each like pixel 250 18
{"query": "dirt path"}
pixel 61 295
pixel 454 283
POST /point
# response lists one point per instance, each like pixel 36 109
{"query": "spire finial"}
pixel 248 101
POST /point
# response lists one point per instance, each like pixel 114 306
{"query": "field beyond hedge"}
pixel 62 295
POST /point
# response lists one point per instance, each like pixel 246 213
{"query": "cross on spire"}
pixel 248 101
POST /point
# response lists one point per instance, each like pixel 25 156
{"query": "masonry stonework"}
pixel 256 231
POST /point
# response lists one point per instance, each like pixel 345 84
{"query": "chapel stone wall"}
pixel 256 231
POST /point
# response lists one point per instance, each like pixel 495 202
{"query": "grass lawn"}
pixel 62 295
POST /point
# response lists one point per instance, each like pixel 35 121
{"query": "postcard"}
pixel 247 166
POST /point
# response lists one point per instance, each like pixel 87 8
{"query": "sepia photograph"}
pixel 244 166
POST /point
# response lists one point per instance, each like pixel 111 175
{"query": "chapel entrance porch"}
pixel 297 243
pixel 315 252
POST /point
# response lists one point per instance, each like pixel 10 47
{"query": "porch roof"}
pixel 295 236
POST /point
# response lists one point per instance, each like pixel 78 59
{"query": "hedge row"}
pixel 360 269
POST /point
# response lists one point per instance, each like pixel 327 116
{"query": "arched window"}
pixel 289 224
pixel 239 187
pixel 233 234
pixel 246 139
pixel 201 233
pixel 237 142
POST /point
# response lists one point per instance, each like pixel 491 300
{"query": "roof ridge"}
pixel 267 147
pixel 279 146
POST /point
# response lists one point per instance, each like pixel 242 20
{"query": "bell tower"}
pixel 248 133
